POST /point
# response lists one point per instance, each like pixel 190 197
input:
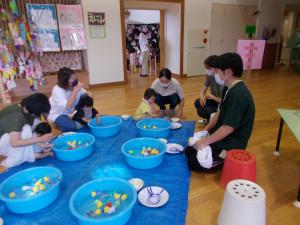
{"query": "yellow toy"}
pixel 12 195
pixel 71 144
pixel 42 187
pixel 35 189
pixel 93 194
pixel 46 179
pixel 98 203
pixel 131 152
pixel 116 196
pixel 98 211
pixel 124 197
pixel 106 209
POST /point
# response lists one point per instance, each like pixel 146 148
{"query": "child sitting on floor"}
pixel 42 150
pixel 18 155
pixel 85 111
pixel 147 106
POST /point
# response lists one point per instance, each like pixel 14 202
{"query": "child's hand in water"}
pixel 85 119
pixel 98 118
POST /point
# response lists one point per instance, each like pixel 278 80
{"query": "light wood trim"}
pixel 108 84
pixel 162 39
pixel 182 8
pixel 122 18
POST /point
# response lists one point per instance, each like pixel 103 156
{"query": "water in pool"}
pixel 144 152
pixel 72 145
pixel 33 187
pixel 151 127
pixel 103 204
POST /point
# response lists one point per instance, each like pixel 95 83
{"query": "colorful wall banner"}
pixel 71 27
pixel 252 52
pixel 43 21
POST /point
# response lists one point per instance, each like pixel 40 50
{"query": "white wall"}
pixel 104 55
pixel 143 16
pixel 172 38
pixel 271 14
pixel 198 16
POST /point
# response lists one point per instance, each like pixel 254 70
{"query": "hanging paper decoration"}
pixel 13 7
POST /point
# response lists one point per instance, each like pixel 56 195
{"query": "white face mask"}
pixel 164 85
pixel 209 72
pixel 219 80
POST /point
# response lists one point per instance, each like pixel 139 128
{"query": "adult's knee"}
pixel 174 101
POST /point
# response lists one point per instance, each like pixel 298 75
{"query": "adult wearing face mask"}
pixel 169 91
pixel 208 102
pixel 65 96
pixel 231 127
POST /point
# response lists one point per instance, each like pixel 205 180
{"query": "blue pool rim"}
pixel 139 157
pixel 77 149
pixel 12 200
pixel 157 129
pixel 81 217
pixel 110 126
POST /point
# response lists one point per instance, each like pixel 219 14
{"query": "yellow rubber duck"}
pixel 116 196
pixel 131 152
pixel 46 179
pixel 98 211
pixel 12 195
pixel 42 187
pixel 35 189
pixel 124 197
pixel 106 209
pixel 99 204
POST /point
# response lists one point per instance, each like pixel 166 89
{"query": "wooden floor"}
pixel 278 176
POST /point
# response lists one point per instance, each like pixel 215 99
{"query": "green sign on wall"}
pixel 250 29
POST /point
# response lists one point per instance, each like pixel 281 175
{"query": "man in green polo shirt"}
pixel 232 125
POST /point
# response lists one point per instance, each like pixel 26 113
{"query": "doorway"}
pixel 147 21
pixel 171 27
pixel 290 23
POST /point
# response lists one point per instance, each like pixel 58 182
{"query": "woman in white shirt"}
pixel 168 91
pixel 65 96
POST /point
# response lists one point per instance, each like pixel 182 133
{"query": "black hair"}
pixel 149 93
pixel 85 100
pixel 43 128
pixel 63 77
pixel 211 61
pixel 165 73
pixel 231 61
pixel 36 104
pixel 132 50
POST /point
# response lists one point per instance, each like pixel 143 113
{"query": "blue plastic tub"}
pixel 139 161
pixel 81 202
pixel 109 126
pixel 84 146
pixel 24 202
pixel 157 128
